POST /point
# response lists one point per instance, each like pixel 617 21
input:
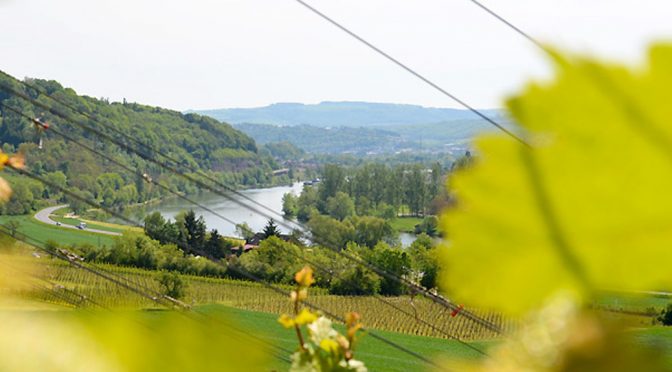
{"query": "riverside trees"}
pixel 370 190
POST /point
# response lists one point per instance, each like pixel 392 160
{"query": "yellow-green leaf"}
pixel 586 207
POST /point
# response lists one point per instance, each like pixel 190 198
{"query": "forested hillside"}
pixel 199 142
pixel 435 137
pixel 319 140
pixel 346 114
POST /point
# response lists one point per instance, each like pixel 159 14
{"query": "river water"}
pixel 269 197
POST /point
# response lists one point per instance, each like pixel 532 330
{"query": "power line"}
pixel 81 266
pixel 204 254
pixel 141 154
pixel 512 26
pixel 414 73
pixel 620 100
pixel 424 291
pixel 123 166
pixel 54 288
pixel 147 146
pixel 322 268
pixel 388 303
pixel 147 294
pixel 334 316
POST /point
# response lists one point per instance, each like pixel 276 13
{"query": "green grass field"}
pixel 378 355
pixel 93 225
pixel 43 232
pixel 405 224
pixel 632 302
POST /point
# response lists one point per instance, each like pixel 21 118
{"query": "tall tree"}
pixel 340 206
pixel 271 229
pixel 333 182
pixel 195 232
pixel 289 204
pixel 244 231
pixel 215 246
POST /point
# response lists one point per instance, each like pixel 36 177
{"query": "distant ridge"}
pixel 342 114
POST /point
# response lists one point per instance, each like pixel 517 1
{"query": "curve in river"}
pixel 270 197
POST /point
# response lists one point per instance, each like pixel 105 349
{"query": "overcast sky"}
pixel 201 54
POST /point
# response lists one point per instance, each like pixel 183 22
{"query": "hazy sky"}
pixel 200 54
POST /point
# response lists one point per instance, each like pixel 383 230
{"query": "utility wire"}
pixel 53 288
pixel 512 26
pixel 320 267
pixel 424 291
pixel 40 245
pixel 378 337
pixel 414 73
pixel 150 148
pixel 236 269
pixel 388 303
pixel 123 166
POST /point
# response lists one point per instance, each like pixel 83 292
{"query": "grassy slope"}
pixel 59 215
pixel 43 232
pixel 658 337
pixel 382 357
pixel 91 225
pixel 632 302
pixel 377 355
pixel 405 224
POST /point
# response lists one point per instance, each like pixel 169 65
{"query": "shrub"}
pixel 355 281
pixel 172 284
pixel 665 316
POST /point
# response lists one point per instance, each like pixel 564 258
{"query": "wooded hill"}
pixel 199 142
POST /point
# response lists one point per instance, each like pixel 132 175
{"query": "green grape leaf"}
pixel 587 206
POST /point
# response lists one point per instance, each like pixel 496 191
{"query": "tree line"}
pixel 186 245
pixel 370 190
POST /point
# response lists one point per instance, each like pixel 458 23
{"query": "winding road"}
pixel 45 214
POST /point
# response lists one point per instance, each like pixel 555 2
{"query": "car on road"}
pixel 82 225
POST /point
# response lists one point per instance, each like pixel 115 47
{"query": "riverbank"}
pixel 233 209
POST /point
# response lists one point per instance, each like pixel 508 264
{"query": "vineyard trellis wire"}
pixel 416 287
pixel 305 259
pixel 103 277
pixel 238 270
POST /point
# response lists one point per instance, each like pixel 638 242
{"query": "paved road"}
pixel 44 214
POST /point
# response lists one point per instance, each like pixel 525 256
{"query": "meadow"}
pixel 104 226
pixel 405 224
pixel 44 232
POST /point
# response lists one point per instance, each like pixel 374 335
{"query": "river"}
pixel 269 197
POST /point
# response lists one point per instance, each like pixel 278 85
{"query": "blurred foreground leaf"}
pixel 586 207
pixel 139 341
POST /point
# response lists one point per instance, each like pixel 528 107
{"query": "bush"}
pixel 393 261
pixel 172 284
pixel 665 316
pixel 274 261
pixel 355 281
pixel 429 226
